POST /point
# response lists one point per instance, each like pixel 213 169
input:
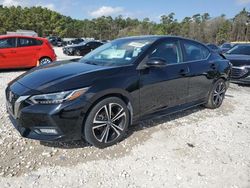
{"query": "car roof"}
pixel 160 37
pixel 19 36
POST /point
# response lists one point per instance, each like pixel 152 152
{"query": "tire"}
pixel 44 61
pixel 101 130
pixel 217 94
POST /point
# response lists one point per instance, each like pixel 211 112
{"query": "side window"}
pixel 25 42
pixel 8 43
pixel 169 51
pixel 39 42
pixel 195 51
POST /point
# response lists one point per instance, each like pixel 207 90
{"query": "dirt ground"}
pixel 194 148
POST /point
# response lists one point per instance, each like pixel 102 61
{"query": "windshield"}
pixel 240 50
pixel 118 52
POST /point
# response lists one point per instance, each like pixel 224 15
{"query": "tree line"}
pixel 201 27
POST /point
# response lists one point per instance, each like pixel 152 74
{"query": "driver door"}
pixel 166 86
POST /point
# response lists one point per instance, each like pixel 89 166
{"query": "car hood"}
pixel 238 60
pixel 61 76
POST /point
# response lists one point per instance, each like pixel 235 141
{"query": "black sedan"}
pixel 239 56
pixel 82 48
pixel 56 41
pixel 214 48
pixel 98 97
pixel 225 47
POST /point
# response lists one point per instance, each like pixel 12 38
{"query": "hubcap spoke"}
pixel 99 122
pixel 117 127
pixel 119 116
pixel 110 111
pixel 104 133
pixel 217 100
pixel 98 126
pixel 116 130
pixel 106 111
pixel 107 135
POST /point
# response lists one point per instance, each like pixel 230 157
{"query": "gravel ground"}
pixel 195 148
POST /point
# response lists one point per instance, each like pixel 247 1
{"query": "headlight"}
pixel 56 98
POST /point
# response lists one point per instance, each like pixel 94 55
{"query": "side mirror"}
pixel 156 62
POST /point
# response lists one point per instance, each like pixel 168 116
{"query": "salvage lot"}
pixel 195 148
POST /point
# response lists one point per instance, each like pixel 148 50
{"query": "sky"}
pixel 153 9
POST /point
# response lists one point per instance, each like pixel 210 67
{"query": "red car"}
pixel 24 52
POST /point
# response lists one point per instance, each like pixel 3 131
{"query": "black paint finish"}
pixel 146 90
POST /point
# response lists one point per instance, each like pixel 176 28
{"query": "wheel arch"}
pixel 42 57
pixel 123 95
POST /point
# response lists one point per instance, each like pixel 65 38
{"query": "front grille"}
pixel 239 72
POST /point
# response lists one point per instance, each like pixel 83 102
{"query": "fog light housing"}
pixel 48 131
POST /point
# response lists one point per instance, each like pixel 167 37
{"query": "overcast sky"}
pixel 152 9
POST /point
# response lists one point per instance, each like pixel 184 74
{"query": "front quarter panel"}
pixel 125 83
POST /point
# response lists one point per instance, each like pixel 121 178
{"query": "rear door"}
pixel 27 50
pixel 202 71
pixel 164 87
pixel 8 56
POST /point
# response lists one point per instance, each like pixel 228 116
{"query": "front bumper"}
pixel 66 118
pixel 241 75
pixel 245 80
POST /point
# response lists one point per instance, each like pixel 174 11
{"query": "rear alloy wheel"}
pixel 217 94
pixel 107 122
pixel 44 61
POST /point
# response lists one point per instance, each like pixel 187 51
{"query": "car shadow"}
pixel 135 127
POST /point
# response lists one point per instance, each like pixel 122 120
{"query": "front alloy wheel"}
pixel 107 122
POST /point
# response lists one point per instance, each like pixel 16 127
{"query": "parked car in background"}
pixel 56 41
pixel 239 56
pixel 82 48
pixel 75 41
pixel 24 51
pixel 225 47
pixel 98 97
pixel 214 48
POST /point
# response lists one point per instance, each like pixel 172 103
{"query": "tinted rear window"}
pixel 26 42
pixel 195 51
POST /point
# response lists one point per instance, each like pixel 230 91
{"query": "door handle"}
pixel 213 66
pixel 184 72
pixel 13 51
